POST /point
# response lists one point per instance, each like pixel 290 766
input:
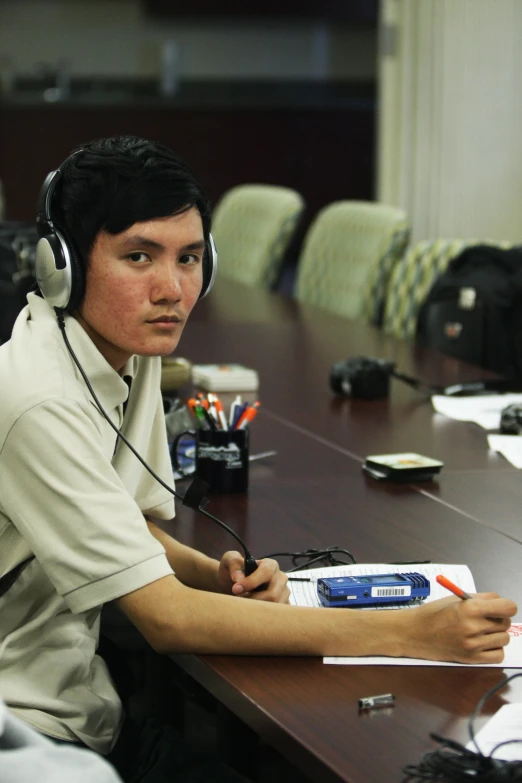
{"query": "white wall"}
pixel 450 149
pixel 114 37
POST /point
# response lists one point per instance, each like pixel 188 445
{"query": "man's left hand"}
pixel 232 579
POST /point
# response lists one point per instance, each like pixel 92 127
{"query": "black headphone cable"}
pixel 194 496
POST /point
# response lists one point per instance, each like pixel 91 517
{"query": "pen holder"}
pixel 221 458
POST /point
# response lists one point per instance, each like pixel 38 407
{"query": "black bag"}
pixel 473 311
pixel 17 251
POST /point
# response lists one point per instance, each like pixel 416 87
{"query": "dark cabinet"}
pixel 355 11
pixel 325 153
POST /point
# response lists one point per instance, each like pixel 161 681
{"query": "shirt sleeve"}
pixel 65 498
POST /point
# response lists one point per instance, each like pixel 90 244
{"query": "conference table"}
pixel 313 494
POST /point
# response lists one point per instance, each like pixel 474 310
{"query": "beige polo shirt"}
pixel 76 499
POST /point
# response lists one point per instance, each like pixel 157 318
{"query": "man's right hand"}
pixel 470 631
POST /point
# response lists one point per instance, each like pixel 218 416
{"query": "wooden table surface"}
pixel 314 494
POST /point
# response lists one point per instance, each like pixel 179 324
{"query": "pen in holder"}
pixel 221 456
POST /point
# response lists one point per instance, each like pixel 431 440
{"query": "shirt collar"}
pixel 109 386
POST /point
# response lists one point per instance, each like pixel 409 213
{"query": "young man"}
pixel 136 223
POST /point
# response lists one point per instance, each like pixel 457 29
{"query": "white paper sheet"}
pixel 512 657
pixel 510 446
pixel 484 410
pixel 305 594
pixel 506 724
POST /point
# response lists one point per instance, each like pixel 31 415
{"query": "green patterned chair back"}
pixel 348 254
pixel 413 277
pixel 252 226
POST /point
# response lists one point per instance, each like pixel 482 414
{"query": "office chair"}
pixel 348 255
pixel 252 226
pixel 413 277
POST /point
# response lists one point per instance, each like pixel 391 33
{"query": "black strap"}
pixel 502 385
pixel 8 580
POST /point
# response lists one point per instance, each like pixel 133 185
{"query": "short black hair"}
pixel 112 183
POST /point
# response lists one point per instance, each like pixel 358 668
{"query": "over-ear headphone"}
pixel 60 273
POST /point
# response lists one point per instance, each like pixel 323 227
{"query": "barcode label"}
pixel 390 592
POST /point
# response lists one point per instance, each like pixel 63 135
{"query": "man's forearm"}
pixel 177 619
pixel 191 567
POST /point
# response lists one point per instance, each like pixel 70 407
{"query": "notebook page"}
pixel 305 594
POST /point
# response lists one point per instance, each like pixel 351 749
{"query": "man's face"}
pixel 141 286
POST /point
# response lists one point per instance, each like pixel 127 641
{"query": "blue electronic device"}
pixel 373 590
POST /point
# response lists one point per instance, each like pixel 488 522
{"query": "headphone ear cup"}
pixel 58 273
pixel 77 280
pixel 210 261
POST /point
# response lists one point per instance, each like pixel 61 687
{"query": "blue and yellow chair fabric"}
pixel 412 279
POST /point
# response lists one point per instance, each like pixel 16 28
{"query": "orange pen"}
pixel 452 588
pixel 203 400
pixel 220 412
pixel 249 414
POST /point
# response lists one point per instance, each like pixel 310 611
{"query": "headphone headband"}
pixel 43 209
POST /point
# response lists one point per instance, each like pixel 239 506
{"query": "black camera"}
pixel 511 419
pixel 367 379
